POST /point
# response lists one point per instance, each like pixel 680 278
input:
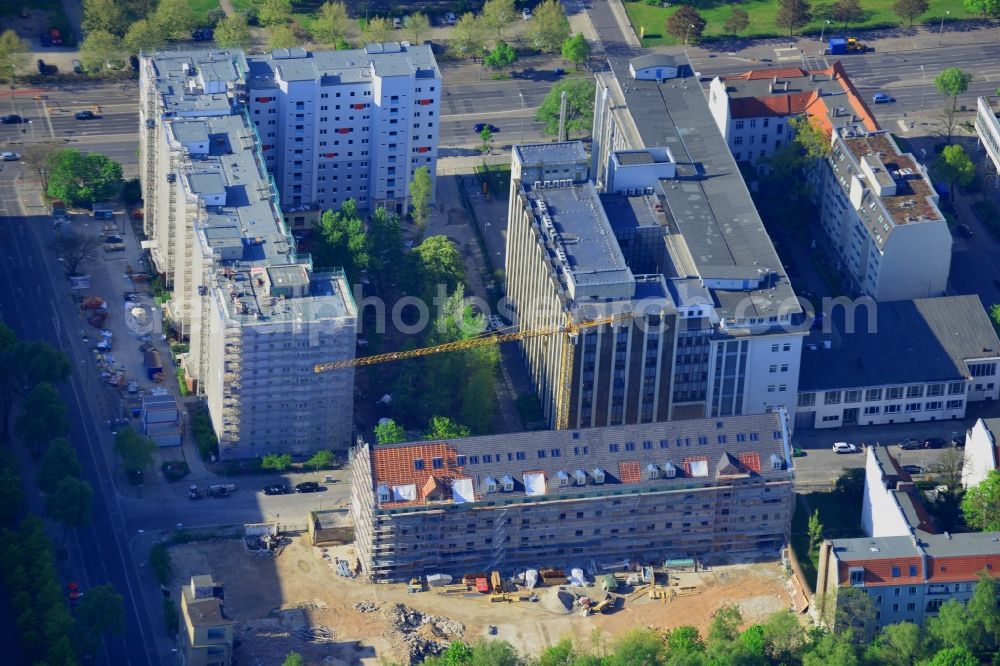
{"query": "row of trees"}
pixel 117 29
pixel 960 636
pixel 279 462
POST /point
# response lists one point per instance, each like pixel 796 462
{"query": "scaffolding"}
pixel 149 138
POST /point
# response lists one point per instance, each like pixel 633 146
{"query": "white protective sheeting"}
pixel 461 491
pixel 406 493
pixel 699 468
pixel 534 483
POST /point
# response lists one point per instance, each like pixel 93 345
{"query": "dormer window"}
pixel 776 462
pixel 507 483
pixel 598 475
pixel 563 478
pixel 669 471
pixel 383 494
pixel 491 484
pixel 581 477
pixel 652 471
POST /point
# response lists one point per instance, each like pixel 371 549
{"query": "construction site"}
pixel 303 598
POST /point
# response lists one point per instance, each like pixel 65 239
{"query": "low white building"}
pixel 988 130
pixel 982 452
pixel 905 361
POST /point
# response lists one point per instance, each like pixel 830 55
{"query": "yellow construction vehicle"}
pixel 854 46
pixel 568 332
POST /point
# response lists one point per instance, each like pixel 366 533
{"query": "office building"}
pixel 663 226
pixel 715 490
pixel 752 109
pixel 982 452
pixel 988 131
pixel 206 637
pixel 905 565
pixel 258 316
pixel 898 362
pixel 880 212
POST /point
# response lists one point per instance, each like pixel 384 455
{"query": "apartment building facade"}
pixel 257 315
pixel 351 124
pixel 905 566
pixel 715 490
pixel 899 362
pixel 988 132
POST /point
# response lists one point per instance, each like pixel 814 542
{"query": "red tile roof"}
pixel 629 471
pixel 957 569
pixel 750 460
pixel 878 572
pixel 770 73
pixel 792 104
pixel 395 466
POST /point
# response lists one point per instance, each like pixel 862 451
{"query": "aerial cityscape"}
pixel 500 332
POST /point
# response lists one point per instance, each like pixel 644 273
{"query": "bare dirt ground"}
pixel 297 602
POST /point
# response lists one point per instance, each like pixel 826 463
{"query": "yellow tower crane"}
pixel 569 333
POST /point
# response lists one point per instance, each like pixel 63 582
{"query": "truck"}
pixel 221 489
pixel 103 211
pixel 844 46
pixel 114 244
pixel 59 211
pixel 154 366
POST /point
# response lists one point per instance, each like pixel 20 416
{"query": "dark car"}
pixel 934 443
pixel 308 487
pixel 133 62
pixel 910 444
pixel 203 35
pixel 965 231
pixel 882 98
pixel 959 442
pixel 12 119
pixel 913 469
pixel 84 115
pixel 479 127
pixel 276 489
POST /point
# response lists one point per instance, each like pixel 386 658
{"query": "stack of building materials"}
pixel 161 420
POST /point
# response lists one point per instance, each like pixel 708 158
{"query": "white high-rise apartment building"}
pixel 338 125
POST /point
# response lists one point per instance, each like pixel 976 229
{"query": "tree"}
pixel 144 35
pixel 686 24
pixel 784 636
pixel 378 30
pixel 985 7
pixel 387 258
pixel 76 249
pixel 421 189
pixel 850 485
pixel 478 400
pixel 639 647
pixel 42 417
pixel 80 179
pixel 441 427
pixel 501 57
pixel 175 18
pixel 293 659
pixel 984 611
pixel 952 82
pixel 949 467
pixel 60 460
pixel 13 54
pixel 11 493
pixel 332 25
pixel 576 49
pixel 233 32
pixel 832 649
pixel 278 462
pixel 953 627
pixel 954 167
pixel 900 645
pixel 69 503
pixel 486 136
pixel 815 531
pixel 274 12
pixel 497 15
pixel 685 640
pixel 418 26
pixel 467 36
pixel 549 27
pixel 389 432
pixel 579 107
pixel 725 625
pixel 910 10
pixel 439 265
pixel 281 37
pixel 953 657
pixel 103 15
pixel 847 11
pixel 135 450
pixel 343 242
pixel 322 459
pixel 36 156
pixel 101 51
pixel 792 14
pixel 24 365
pixel 981 504
pixel 100 612
pixel 737 22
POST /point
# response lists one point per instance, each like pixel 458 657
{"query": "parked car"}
pixel 77 66
pixel 913 469
pixel 56 36
pixel 397 23
pixel 11 119
pixel 526 14
pixel 133 62
pixel 844 447
pixel 959 442
pixel 882 98
pixel 965 230
pixel 203 35
pixel 479 127
pixel 84 115
pixel 934 443
pixel 308 487
pixel 73 591
pixel 8 156
pixel 276 489
pixel 910 444
pixel 496 323
pixel 450 18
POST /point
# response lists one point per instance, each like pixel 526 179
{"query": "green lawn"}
pixel 762 13
pixel 201 8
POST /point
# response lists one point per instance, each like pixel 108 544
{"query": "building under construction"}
pixel 709 489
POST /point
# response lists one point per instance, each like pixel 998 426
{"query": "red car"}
pixel 73 591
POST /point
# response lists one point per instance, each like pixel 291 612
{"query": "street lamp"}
pixel 521 95
pixel 923 90
pixel 941 29
pixel 821 33
pixel 686 33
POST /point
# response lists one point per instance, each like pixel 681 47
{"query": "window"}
pixel 852 396
pixel 487 459
pixel 872 411
pixel 613 448
pixel 722 439
pixel 894 393
pixel 910 607
pixel 541 453
pixel 871 395
pixel 892 409
pixel 703 441
pixel 437 463
pixel 983 369
pixel 739 124
pixel 913 407
pixel 955 404
pixel 521 455
pixel 914 391
pixel 934 390
pixel 773 369
pixel 473 460
pixel 786 347
pixel 857 576
pixel 418 463
pixel 895 573
pixel 956 388
pixel 738 141
pixel 831 398
pixel 807 400
pixel 555 453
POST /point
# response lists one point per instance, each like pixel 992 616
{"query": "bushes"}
pixel 159 560
pixel 170 617
pixel 204 434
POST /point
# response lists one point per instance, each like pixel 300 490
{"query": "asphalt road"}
pixel 34 302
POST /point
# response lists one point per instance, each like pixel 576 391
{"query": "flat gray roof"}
pixel 190 131
pixel 344 67
pixel 936 545
pixel 913 342
pixel 708 203
pixel 564 151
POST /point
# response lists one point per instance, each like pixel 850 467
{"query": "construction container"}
pixel 154 365
pixel 838 46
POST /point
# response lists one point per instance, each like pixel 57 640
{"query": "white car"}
pixel 450 18
pixel 9 156
pixel 397 23
pixel 526 14
pixel 844 447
